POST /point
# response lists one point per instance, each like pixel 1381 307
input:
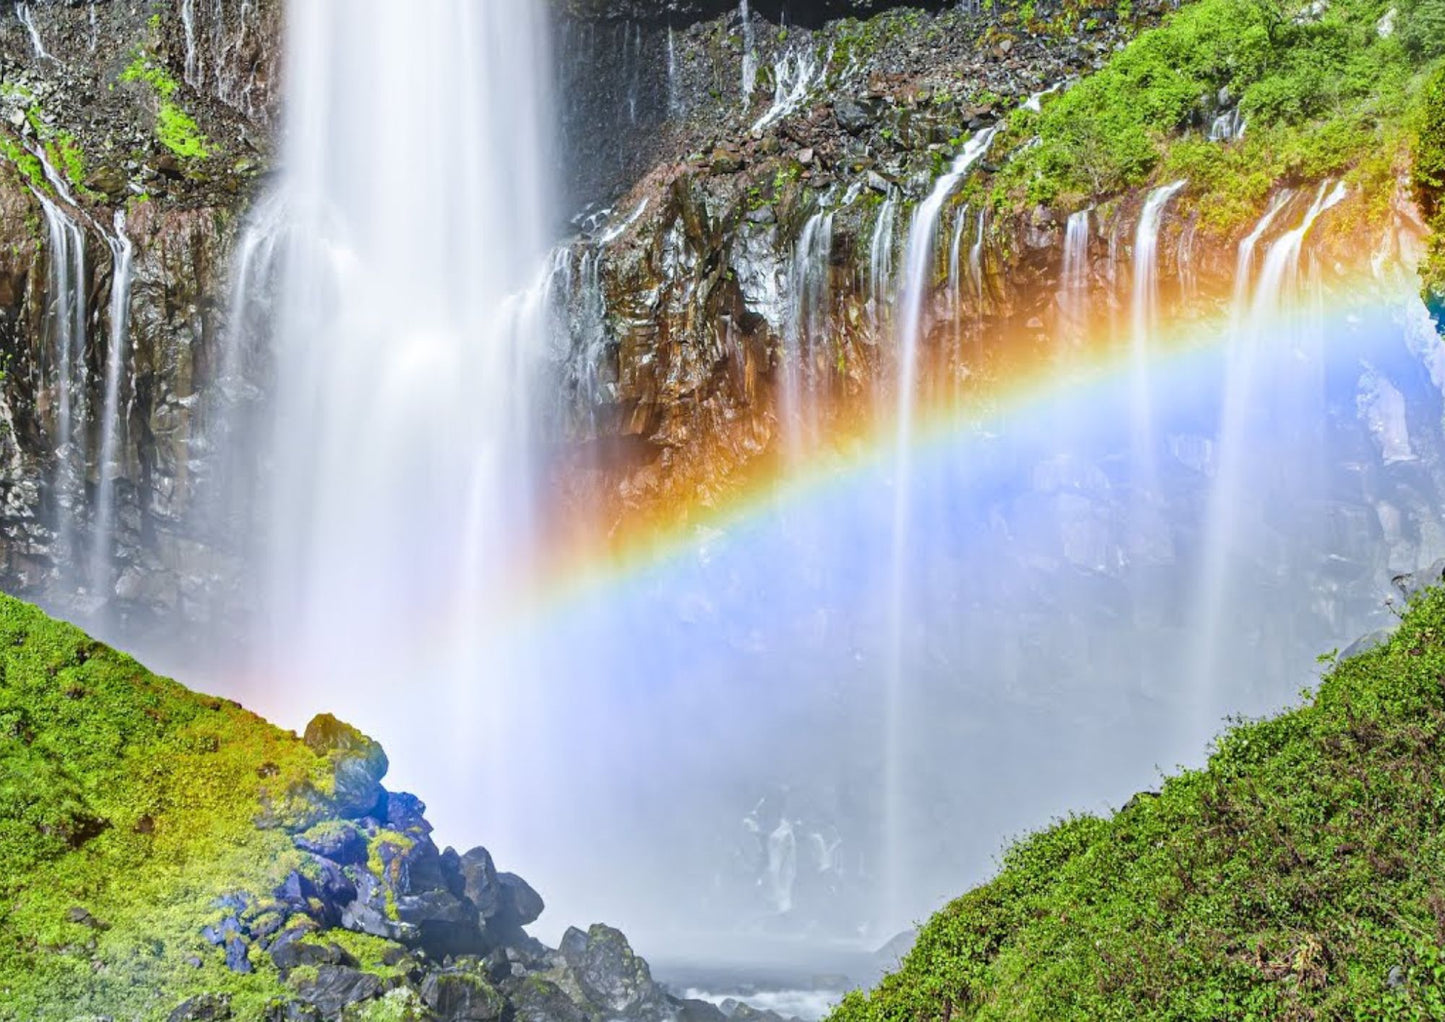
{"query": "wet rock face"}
pixel 678 309
pixel 162 115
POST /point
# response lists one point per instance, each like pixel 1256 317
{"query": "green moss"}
pixel 1428 177
pixel 175 129
pixel 1320 95
pixel 1286 880
pixel 25 162
pixel 126 795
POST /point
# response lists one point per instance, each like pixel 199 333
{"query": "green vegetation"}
pixel 1300 875
pixel 175 128
pixel 128 805
pixel 1324 90
pixel 1429 181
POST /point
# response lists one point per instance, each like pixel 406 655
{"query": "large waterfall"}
pixel 415 195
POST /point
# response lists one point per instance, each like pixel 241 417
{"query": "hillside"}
pixel 168 855
pixel 1300 875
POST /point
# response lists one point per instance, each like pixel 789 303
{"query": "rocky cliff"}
pixel 741 182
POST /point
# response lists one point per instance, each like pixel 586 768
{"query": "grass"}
pixel 1299 876
pixel 1323 91
pixel 128 805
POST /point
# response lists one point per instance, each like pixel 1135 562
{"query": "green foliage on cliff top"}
pixel 1300 875
pixel 1429 181
pixel 1323 91
pixel 128 805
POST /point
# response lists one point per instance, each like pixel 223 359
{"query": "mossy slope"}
pixel 128 806
pixel 1300 875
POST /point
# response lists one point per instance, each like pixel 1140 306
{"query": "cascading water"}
pixel 880 267
pixel 807 325
pixel 112 425
pixel 26 18
pixel 402 451
pixel 975 261
pixel 750 55
pixel 1255 326
pixel 918 280
pixel 65 346
pixel 1145 317
pixel 1074 281
pixel 794 77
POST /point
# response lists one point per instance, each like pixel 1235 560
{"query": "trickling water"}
pixel 1227 127
pixel 807 324
pixel 401 452
pixel 750 57
pixel 794 76
pixel 955 287
pixel 22 11
pixel 94 28
pixel 1074 279
pixel 1145 316
pixel 880 267
pixel 975 261
pixel 112 425
pixel 674 86
pixel 188 23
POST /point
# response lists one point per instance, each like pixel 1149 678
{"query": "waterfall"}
pixel 1227 127
pixel 188 23
pixel 955 285
pixel 112 424
pixel 23 13
pixel 975 262
pixel 806 325
pixel 674 87
pixel 1145 312
pixel 750 56
pixel 1255 326
pixel 793 78
pixel 918 281
pixel 782 866
pixel 880 266
pixel 94 28
pixel 918 277
pixel 65 341
pixel 399 505
pixel 1074 280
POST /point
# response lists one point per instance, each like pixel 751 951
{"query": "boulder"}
pixel 205 1008
pixel 462 996
pixel 610 975
pixel 335 987
pixel 358 764
pixel 336 840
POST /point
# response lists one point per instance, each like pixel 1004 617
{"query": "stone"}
pixel 1365 643
pixel 609 974
pixel 335 987
pixel 459 996
pixel 358 761
pixel 521 904
pixel 851 115
pixel 339 842
pixel 238 956
pixel 204 1008
pixel 535 999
